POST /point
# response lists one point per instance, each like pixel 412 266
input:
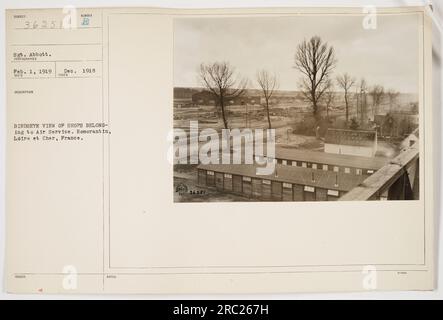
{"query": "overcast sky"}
pixel 386 56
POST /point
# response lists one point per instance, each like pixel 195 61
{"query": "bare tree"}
pixel 345 81
pixel 377 93
pixel 392 96
pixel 268 83
pixel 220 79
pixel 316 61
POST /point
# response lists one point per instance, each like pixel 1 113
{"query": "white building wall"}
pixel 350 150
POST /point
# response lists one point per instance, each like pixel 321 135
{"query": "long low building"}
pixel 288 183
pixel 351 142
pixel 328 161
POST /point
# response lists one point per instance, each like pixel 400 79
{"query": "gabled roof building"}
pixel 351 142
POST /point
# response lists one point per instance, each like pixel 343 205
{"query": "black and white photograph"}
pixel 296 108
pixel 221 150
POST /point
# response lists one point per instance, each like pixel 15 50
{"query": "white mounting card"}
pixel 219 150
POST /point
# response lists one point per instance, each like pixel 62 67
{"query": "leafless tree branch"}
pixel 316 61
pixel 220 79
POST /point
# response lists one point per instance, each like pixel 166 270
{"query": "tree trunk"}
pixel 314 106
pixel 347 109
pixel 225 123
pixel 267 111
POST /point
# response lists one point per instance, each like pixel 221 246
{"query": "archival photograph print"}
pixel 296 108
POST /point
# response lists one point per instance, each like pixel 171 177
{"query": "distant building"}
pixel 341 163
pixel 279 99
pixel 209 99
pixel 396 124
pixel 204 98
pixel 351 142
pixel 184 93
pixel 183 97
pixel 182 103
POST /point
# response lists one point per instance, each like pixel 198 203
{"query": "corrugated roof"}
pixel 350 137
pixel 296 175
pixel 343 160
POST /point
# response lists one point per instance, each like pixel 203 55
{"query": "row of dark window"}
pixel 324 167
pixel 263 189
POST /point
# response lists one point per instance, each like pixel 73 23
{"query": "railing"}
pixel 398 180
